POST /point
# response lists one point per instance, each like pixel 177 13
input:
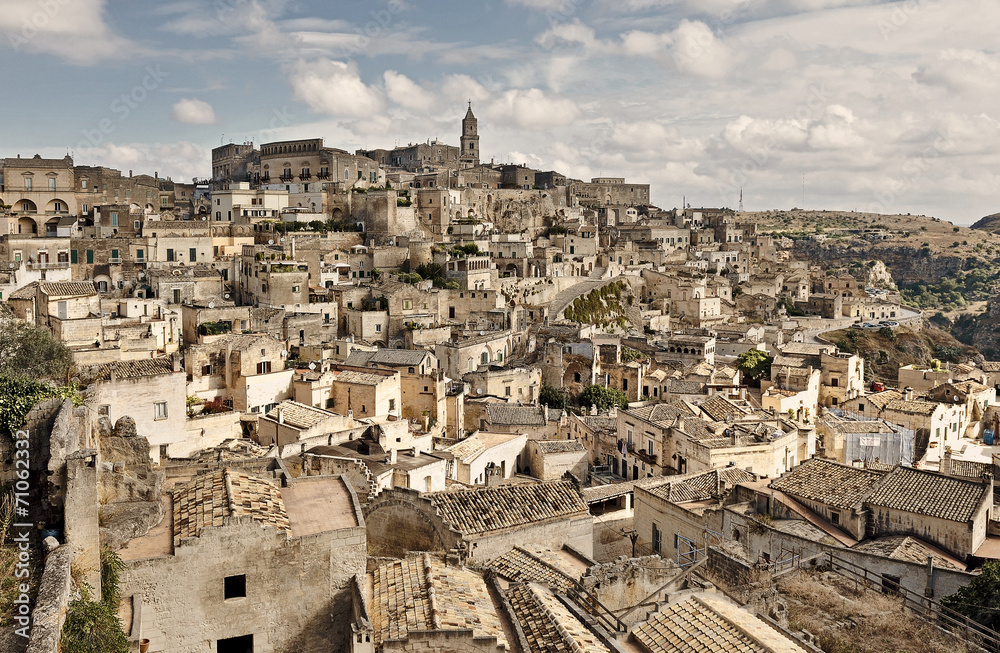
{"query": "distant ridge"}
pixel 990 223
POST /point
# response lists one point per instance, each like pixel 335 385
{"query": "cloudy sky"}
pixel 840 104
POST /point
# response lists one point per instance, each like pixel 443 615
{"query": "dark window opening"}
pixel 236 586
pixel 242 644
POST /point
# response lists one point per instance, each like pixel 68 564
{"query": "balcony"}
pixel 286 178
pixel 48 265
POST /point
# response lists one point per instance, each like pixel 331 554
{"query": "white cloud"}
pixel 532 109
pixel 334 88
pixel 72 30
pixel 695 50
pixel 403 91
pixel 182 160
pixel 192 111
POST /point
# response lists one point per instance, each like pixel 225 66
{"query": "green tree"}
pixel 31 351
pixel 552 396
pixel 754 364
pixel 980 599
pixel 603 397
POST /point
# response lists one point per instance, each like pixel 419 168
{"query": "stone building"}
pixel 483 523
pixel 151 392
pixel 248 565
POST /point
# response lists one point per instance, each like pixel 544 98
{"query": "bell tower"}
pixel 469 156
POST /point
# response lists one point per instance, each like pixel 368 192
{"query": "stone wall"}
pixel 441 641
pixel 628 582
pixel 298 590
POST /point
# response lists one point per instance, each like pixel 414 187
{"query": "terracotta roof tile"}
pixel 929 494
pixel 828 482
pixel 484 510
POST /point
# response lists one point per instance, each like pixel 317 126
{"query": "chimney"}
pixel 680 423
pixel 392 456
pixel 175 363
pixel 613 411
pixel 281 415
pixel 945 466
pixel 545 413
pixel 908 393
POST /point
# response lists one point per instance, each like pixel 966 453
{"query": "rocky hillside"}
pixel 886 350
pixel 990 223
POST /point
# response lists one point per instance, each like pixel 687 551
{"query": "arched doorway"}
pixel 26 226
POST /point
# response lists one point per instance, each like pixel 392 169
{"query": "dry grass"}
pixel 847 618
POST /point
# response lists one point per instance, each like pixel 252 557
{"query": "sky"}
pixel 890 107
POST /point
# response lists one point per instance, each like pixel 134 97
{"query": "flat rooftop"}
pixel 318 504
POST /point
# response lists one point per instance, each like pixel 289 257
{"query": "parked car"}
pixel 871 325
pixel 888 323
pixel 857 325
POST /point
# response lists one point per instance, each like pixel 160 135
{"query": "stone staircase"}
pixel 566 297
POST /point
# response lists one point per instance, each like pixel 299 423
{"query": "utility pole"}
pixel 632 535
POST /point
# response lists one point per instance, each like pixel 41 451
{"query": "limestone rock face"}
pixel 130 488
pixel 104 427
pixel 125 427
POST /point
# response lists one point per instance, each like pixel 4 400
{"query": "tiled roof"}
pixel 210 498
pixel 929 494
pixel 559 446
pixel 548 625
pixel 390 357
pixel 599 493
pixel 298 415
pixel 469 448
pixel 24 292
pixel 521 565
pixel 828 482
pixel 719 408
pixel 904 547
pixel 970 468
pixel 135 369
pixel 662 412
pixel 914 407
pixel 360 378
pixel 421 594
pixel 514 415
pixel 68 288
pixel 700 486
pixel 881 399
pixel 692 627
pixel 990 366
pixel 482 510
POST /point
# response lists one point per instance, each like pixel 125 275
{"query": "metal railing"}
pixel 927 609
pixel 589 603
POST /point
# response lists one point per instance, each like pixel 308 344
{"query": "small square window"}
pixel 235 586
pixel 104 410
pixel 160 410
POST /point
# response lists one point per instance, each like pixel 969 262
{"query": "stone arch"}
pixel 26 226
pixel 57 205
pixel 25 206
pixel 400 521
pixel 338 214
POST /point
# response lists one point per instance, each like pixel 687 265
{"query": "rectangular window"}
pixel 206 370
pixel 170 255
pixel 160 410
pixel 834 517
pixel 392 404
pixel 140 254
pixel 378 328
pixel 114 255
pixel 657 539
pixel 90 256
pixel 193 254
pixel 27 183
pixel 52 183
pixel 74 256
pixel 114 219
pixel 235 587
pixel 264 367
